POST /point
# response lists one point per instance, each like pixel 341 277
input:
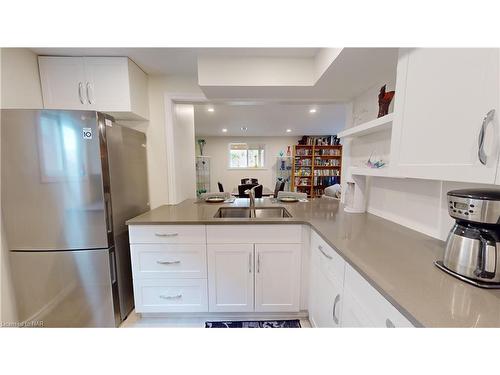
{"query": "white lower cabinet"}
pixel 325 284
pixel 277 277
pixel 340 297
pixel 254 277
pixel 170 295
pixel 231 277
pixel 366 307
pixel 176 270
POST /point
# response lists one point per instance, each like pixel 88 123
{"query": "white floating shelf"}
pixel 377 125
pixel 378 172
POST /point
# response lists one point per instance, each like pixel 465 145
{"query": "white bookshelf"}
pixel 377 125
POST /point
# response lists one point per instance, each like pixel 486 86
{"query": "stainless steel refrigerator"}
pixel 70 180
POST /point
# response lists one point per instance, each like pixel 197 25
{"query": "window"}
pixel 244 155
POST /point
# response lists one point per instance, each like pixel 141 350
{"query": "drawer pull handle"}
pixel 177 296
pixel 168 261
pixel 389 323
pixel 320 248
pixel 166 234
pixel 334 310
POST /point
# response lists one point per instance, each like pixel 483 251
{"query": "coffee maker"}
pixel 472 251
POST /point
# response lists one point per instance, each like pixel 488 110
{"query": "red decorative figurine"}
pixel 384 100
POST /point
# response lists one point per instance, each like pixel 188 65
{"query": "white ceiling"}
pixel 268 119
pixel 353 71
pixel 181 61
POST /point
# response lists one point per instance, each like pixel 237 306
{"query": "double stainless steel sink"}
pixel 247 212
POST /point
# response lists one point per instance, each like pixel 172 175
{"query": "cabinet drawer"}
pixel 181 295
pixel 269 233
pixel 366 307
pixel 169 261
pixel 167 234
pixel 327 259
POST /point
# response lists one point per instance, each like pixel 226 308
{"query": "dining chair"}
pixel 280 186
pixel 258 191
pixel 244 187
pixel 254 181
pixel 221 188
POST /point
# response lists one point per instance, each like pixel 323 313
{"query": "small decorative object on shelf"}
pixel 201 144
pixel 288 152
pixel 375 164
pixel 384 100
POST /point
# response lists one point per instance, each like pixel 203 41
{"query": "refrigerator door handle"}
pixel 112 264
pixel 109 217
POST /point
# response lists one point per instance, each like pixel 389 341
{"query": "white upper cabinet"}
pixel 443 97
pixel 63 82
pixel 113 85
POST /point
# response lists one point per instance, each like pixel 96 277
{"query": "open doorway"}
pixel 253 143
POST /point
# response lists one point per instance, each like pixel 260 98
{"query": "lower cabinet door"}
pixel 170 295
pixel 277 277
pixel 366 307
pixel 325 300
pixel 231 277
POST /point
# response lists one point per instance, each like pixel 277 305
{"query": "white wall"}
pixel 19 88
pixel 159 87
pixel 184 153
pixel 20 79
pixel 217 149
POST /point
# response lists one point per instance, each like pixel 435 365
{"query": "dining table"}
pixel 266 192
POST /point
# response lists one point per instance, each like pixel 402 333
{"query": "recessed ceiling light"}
pixel 224 130
pixel 244 128
pixel 288 130
pixel 210 109
pixel 312 110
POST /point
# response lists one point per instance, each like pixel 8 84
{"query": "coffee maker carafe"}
pixel 473 245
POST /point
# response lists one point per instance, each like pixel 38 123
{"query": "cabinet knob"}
pixel 389 323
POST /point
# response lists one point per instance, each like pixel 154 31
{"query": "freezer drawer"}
pixel 64 288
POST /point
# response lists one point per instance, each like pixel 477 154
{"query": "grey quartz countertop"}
pixel 396 260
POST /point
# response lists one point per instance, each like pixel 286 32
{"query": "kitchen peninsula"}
pixel 360 253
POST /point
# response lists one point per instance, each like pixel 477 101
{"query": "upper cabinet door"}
pixel 442 99
pixel 114 85
pixel 107 84
pixel 63 82
pixel 277 277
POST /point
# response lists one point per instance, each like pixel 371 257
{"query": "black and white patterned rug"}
pixel 294 323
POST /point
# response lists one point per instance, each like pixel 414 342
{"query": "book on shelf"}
pixel 324 140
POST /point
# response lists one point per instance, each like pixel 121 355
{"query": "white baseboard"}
pixel 229 316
